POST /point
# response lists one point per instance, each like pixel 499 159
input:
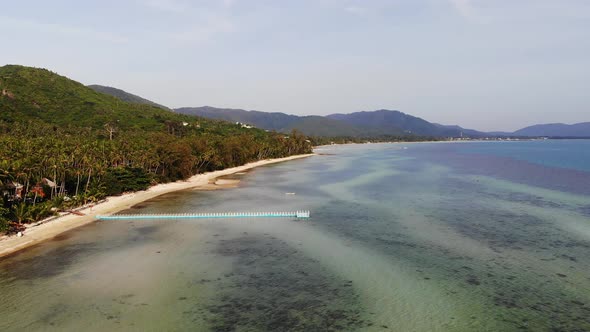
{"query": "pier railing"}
pixel 296 214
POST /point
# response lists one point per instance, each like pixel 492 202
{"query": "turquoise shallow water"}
pixel 403 237
pixel 571 154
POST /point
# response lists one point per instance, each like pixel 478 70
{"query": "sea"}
pixel 470 236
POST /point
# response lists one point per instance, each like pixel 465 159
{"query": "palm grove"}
pixel 63 145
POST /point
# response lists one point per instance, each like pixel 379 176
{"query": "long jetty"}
pixel 225 215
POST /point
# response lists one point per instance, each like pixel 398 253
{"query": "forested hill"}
pixel 381 123
pixel 391 122
pixel 30 94
pixel 309 125
pixel 556 129
pixel 89 144
pixel 124 95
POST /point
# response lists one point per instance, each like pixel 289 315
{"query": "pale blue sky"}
pixel 484 64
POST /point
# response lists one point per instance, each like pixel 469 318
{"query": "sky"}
pixel 481 64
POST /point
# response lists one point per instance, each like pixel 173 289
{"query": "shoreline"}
pixel 475 140
pixel 113 204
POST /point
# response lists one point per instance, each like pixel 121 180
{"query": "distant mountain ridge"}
pixel 124 95
pixel 358 124
pixel 388 122
pixel 556 130
pixel 312 125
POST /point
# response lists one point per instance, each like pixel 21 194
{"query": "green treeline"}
pixel 63 145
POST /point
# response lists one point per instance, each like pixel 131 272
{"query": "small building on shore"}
pixel 12 191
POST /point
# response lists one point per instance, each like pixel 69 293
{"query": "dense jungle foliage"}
pixel 63 144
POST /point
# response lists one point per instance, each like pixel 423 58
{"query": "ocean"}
pixel 476 236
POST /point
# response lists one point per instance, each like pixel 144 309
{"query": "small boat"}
pixel 289 193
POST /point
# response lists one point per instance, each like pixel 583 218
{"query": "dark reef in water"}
pixel 50 264
pixel 517 295
pixel 43 260
pixel 274 287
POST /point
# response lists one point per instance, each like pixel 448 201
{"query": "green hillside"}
pixel 314 125
pixel 124 95
pixel 375 125
pixel 309 125
pixel 270 121
pixel 40 95
pixel 388 122
pixel 89 145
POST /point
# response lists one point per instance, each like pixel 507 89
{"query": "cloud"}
pixel 183 7
pixel 356 10
pixel 204 31
pixel 171 6
pixel 465 8
pixel 60 29
pixel 228 3
pixel 201 21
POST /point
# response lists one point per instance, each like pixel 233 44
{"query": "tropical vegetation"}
pixel 63 145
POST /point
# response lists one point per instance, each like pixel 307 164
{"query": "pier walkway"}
pixel 225 215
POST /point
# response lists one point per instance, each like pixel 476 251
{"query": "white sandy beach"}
pixel 48 230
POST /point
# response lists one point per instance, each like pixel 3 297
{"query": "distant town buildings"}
pixel 244 125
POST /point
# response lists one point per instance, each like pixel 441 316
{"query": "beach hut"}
pixel 52 186
pixel 49 183
pixel 13 191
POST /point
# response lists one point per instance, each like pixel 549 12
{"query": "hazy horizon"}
pixel 490 66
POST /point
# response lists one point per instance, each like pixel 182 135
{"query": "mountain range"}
pixel 358 124
pixel 281 122
pixel 556 129
pixel 41 98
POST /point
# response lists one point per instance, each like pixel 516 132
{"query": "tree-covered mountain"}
pixel 281 122
pixel 270 121
pixel 373 124
pixel 367 124
pixel 124 95
pixel 38 95
pixel 359 124
pixel 60 139
pixel 387 122
pixel 314 125
pixel 556 130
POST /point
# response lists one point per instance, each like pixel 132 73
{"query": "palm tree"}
pixel 21 213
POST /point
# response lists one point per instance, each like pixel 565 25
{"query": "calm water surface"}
pixel 490 236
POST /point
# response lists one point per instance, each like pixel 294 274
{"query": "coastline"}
pixel 475 140
pixel 48 230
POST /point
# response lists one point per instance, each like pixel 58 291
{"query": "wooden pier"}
pixel 213 215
